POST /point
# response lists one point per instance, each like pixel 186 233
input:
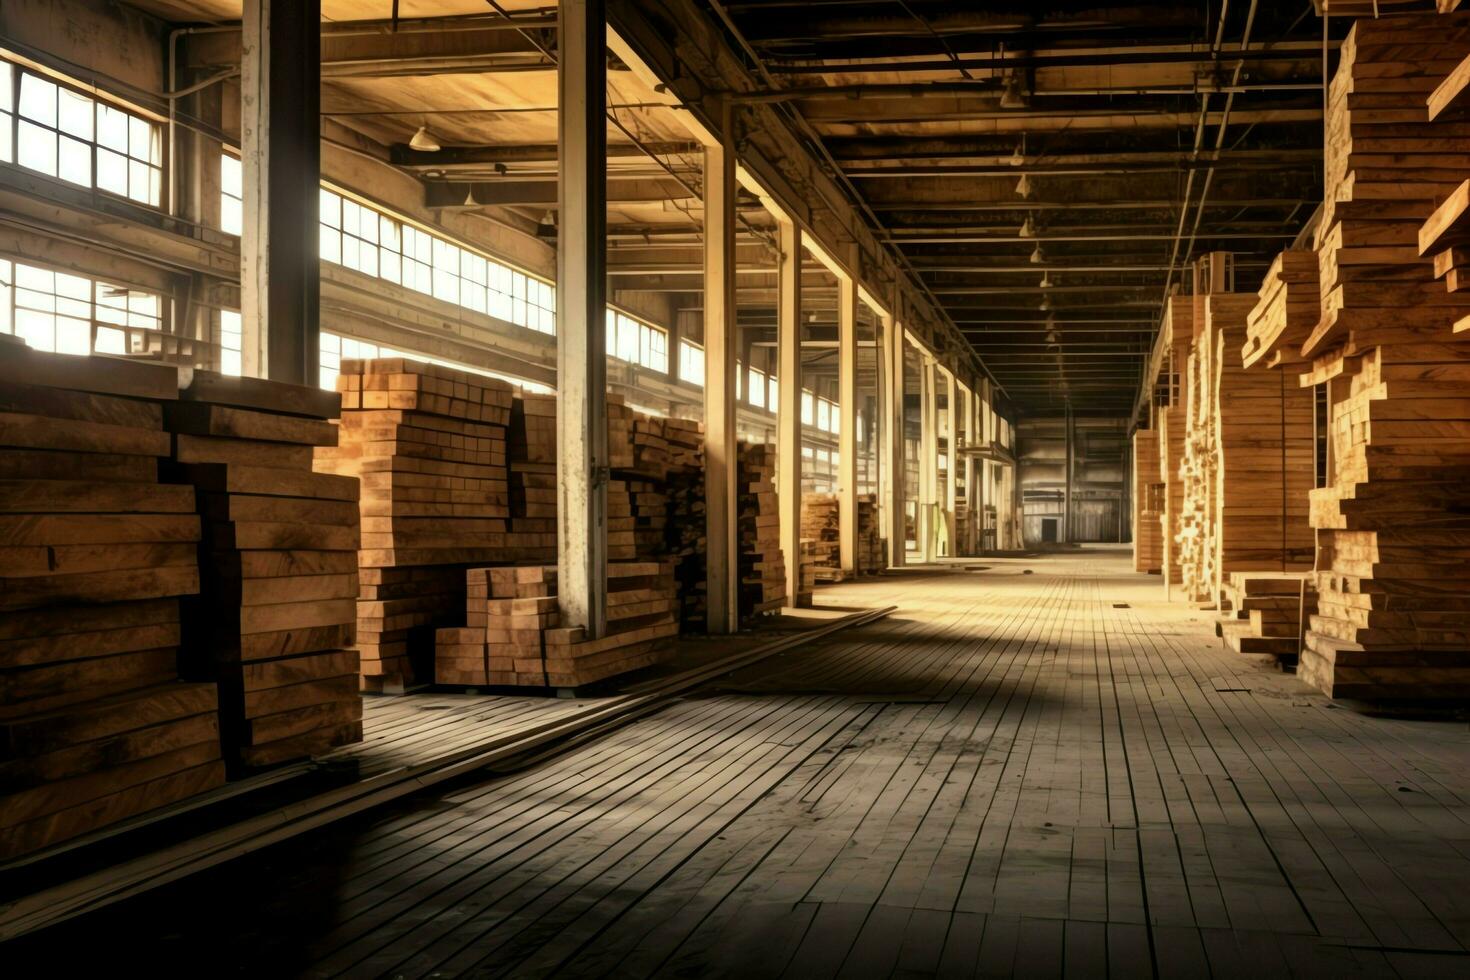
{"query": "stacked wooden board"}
pixel 1266 610
pixel 1288 307
pixel 275 620
pixel 1248 459
pixel 429 444
pixel 1392 574
pixel 820 519
pixel 514 636
pixel 94 555
pixel 762 568
pixel 533 477
pixel 1176 335
pixel 1148 532
pixel 871 557
pixel 685 538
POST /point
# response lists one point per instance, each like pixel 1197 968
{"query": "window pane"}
pixel 140 181
pixel 37 99
pixel 331 209
pixel 73 336
pixel 231 217
pixel 112 172
pixel 37 148
pixel 75 164
pixel 74 112
pixel 112 128
pixel 7 135
pixel 140 140
pixel 231 176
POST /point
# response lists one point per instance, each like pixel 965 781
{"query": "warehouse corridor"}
pixel 1036 766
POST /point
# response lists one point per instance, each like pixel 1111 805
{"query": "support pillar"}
pixel 951 458
pixel 928 459
pixel 847 446
pixel 788 412
pixel 280 155
pixel 722 540
pixel 892 432
pixel 581 304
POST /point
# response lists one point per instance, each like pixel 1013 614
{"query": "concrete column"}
pixel 788 412
pixel 581 304
pixel 847 446
pixel 951 454
pixel 280 155
pixel 928 459
pixel 722 543
pixel 892 432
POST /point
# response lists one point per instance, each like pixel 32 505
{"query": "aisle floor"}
pixel 1036 767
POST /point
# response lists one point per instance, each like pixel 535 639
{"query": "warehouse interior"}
pixel 735 487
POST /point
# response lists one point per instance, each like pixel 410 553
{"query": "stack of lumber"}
pixel 960 542
pixel 1266 611
pixel 514 634
pixel 1148 541
pixel 532 442
pixel 94 553
pixel 685 537
pixel 1289 306
pixel 820 519
pixel 273 625
pixel 806 586
pixel 1392 621
pixel 762 568
pixel 429 444
pixel 1248 459
pixel 871 558
pixel 1176 334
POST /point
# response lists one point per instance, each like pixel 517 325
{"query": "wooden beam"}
pixel 722 549
pixel 281 170
pixel 928 456
pixel 951 455
pixel 788 413
pixel 470 195
pixel 581 354
pixel 847 536
pixel 892 433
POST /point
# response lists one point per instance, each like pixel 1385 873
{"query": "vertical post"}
pixel 788 412
pixel 280 147
pixel 847 446
pixel 581 317
pixel 967 462
pixel 722 544
pixel 951 457
pixel 893 467
pixel 1066 535
pixel 928 459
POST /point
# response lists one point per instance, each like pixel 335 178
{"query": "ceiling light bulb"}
pixel 469 198
pixel 1046 303
pixel 1036 256
pixel 1045 280
pixel 423 142
pixel 1017 157
pixel 1028 230
pixel 1023 186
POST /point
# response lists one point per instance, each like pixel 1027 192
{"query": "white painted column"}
pixel 951 456
pixel 847 536
pixel 892 432
pixel 788 412
pixel 581 304
pixel 928 459
pixel 722 539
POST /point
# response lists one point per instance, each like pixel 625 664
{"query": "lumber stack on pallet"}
pixel 1266 610
pixel 95 552
pixel 429 444
pixel 514 635
pixel 274 623
pixel 1177 334
pixel 533 477
pixel 1288 308
pixel 1148 542
pixel 871 557
pixel 1392 574
pixel 1248 460
pixel 820 519
pixel 762 568
pixel 685 529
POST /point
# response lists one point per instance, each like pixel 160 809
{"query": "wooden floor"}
pixel 1036 768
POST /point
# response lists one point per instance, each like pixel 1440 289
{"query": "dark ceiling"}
pixel 1049 170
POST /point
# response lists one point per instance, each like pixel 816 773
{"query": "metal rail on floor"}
pixel 134 877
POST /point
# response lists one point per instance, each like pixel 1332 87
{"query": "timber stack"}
pixel 1392 574
pixel 762 568
pixel 274 622
pixel 685 528
pixel 871 558
pixel 1176 334
pixel 95 553
pixel 1148 543
pixel 819 527
pixel 429 444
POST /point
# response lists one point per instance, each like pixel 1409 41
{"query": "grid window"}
pixel 691 363
pixel 808 408
pixel 231 203
pixel 824 415
pixel 230 342
pixel 68 314
pixel 335 349
pixel 755 385
pixel 63 133
pixel 773 393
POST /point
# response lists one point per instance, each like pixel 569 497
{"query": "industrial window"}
pixel 755 387
pixel 691 363
pixel 231 195
pixel 230 345
pixel 67 314
pixel 808 408
pixel 632 340
pixel 63 133
pixel 335 349
pixel 773 393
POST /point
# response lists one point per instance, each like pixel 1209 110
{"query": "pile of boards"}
pixel 429 444
pixel 1265 613
pixel 820 517
pixel 274 623
pixel 1394 521
pixel 95 553
pixel 871 556
pixel 1170 418
pixel 1288 306
pixel 1248 458
pixel 1148 531
pixel 514 636
pixel 761 566
pixel 686 527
